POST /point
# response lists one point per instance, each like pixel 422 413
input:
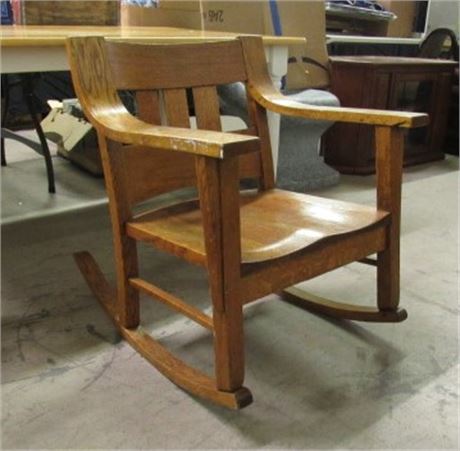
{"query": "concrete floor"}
pixel 68 381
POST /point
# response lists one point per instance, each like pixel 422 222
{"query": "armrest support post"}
pixel 389 152
pixel 389 162
pixel 218 186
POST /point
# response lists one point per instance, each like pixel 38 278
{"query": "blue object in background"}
pixel 145 3
pixel 7 12
pixel 276 20
pixel 278 31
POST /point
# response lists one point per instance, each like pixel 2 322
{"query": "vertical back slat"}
pixel 153 171
pixel 258 116
pixel 206 102
pixel 257 72
pixel 176 108
pixel 207 108
pixel 148 106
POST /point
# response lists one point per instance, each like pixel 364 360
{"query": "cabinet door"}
pixel 417 92
pixel 341 148
pixel 350 147
pixel 378 97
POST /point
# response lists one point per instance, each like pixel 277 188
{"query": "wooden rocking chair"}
pixel 251 243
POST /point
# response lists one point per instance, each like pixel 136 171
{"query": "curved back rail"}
pixel 167 83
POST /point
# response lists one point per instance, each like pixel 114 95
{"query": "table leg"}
pixel 277 59
pixel 28 92
pixel 27 85
pixel 6 96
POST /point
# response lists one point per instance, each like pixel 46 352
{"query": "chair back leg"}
pixel 126 268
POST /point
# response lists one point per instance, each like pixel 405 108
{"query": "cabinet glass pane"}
pixel 415 96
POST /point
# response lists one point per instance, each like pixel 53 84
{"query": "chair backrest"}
pixel 166 84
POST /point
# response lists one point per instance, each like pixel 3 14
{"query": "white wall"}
pixel 443 13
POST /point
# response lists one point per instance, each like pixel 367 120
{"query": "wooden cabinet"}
pixel 392 83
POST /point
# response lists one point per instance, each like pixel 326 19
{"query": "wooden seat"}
pixel 251 243
pixel 270 227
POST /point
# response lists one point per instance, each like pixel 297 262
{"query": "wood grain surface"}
pixel 49 35
pixel 251 243
pixel 274 224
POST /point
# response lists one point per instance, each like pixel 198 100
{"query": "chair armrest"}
pixel 262 90
pixel 93 81
pixel 127 129
pixel 274 101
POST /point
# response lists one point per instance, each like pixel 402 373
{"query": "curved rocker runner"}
pixel 181 374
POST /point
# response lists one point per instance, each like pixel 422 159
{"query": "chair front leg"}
pixel 228 343
pixel 125 250
pixel 219 201
pixel 389 162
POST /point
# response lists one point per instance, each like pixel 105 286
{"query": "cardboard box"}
pixel 403 25
pixel 75 137
pixel 296 18
pixel 306 19
pixel 58 12
pixel 181 5
pixel 133 15
pixel 234 16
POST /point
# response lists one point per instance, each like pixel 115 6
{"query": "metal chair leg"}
pixel 6 96
pixel 30 99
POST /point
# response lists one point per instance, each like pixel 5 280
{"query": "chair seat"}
pixel 274 224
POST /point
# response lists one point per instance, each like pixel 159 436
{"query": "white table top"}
pixel 42 48
pixel 55 35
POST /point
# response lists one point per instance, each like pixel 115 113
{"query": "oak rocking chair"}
pixel 251 243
